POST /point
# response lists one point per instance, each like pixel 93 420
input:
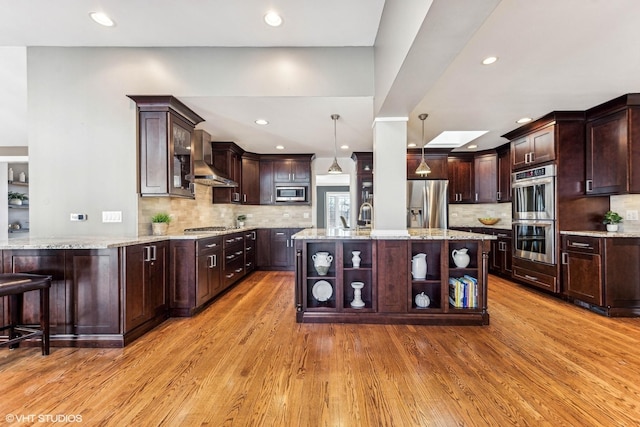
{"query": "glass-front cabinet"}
pixel 165 138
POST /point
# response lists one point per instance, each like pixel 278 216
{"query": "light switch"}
pixel 111 216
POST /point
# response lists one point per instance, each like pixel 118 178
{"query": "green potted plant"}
pixel 241 219
pixel 16 198
pixel 611 220
pixel 160 223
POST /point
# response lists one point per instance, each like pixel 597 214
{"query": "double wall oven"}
pixel 534 216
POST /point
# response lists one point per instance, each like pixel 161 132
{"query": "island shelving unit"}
pixel 388 290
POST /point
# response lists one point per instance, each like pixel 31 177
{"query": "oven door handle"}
pixel 531 182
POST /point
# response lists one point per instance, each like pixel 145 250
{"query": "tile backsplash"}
pixel 466 215
pixel 200 212
pixel 624 204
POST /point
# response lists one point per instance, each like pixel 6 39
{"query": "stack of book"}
pixel 463 292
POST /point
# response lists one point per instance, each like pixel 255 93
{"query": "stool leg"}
pixel 44 320
pixel 15 311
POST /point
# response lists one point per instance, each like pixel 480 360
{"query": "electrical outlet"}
pixel 77 217
pixel 632 215
pixel 286 215
pixel 305 215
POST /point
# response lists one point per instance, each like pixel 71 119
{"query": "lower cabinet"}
pixel 275 248
pixel 396 281
pixel 195 274
pixel 146 281
pixel 602 273
pixel 501 257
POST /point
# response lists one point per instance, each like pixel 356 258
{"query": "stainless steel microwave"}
pixel 292 193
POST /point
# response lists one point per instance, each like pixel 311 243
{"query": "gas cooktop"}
pixel 207 229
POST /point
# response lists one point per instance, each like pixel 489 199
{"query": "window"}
pixel 338 204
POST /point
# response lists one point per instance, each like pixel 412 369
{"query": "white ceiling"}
pixel 554 55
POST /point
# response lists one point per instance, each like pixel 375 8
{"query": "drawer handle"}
pixel 279 234
pixel 230 240
pixel 232 256
pixel 229 276
pixel 565 259
pixel 248 248
pixel 580 245
pixel 239 252
pixel 212 245
pixel 213 261
pixel 239 238
pixel 501 235
pixel 526 276
pixel 238 270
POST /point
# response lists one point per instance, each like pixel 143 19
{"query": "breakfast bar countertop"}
pixel 413 234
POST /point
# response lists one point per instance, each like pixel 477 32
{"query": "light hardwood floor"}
pixel 245 362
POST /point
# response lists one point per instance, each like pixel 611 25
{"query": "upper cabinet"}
pixel 165 131
pixel 364 177
pixel 533 149
pixel 291 170
pixel 486 178
pixel 250 184
pixel 613 146
pixel 437 162
pixel 504 174
pixel 461 180
pixel 227 159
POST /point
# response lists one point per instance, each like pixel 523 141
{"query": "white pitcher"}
pixel 322 259
pixel 460 257
pixel 419 266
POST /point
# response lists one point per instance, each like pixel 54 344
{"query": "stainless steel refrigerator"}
pixel 427 202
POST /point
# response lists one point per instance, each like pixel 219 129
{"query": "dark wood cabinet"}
pixel 613 138
pixel 250 249
pixel 275 248
pixel 227 159
pixel 504 174
pixel 85 291
pixel 391 278
pixel 485 173
pixel 437 162
pixel 461 179
pixel 364 177
pixel 250 179
pixel 582 271
pixel 267 188
pixel 146 281
pixel 501 256
pixel 209 270
pixel 292 170
pixel 165 132
pixel 534 148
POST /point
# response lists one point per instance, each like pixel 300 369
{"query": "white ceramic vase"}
pixel 357 294
pixel 612 227
pixel 355 259
pixel 460 257
pixel 419 266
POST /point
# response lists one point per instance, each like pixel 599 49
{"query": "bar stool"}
pixel 14 286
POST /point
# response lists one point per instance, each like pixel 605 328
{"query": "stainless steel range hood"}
pixel 204 173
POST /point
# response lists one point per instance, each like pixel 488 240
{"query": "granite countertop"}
pixel 93 242
pixel 413 233
pixel 615 234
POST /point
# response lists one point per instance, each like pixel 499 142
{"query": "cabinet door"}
pixel 250 243
pixel 543 145
pixel 583 277
pixel 437 162
pixel 204 290
pixel 158 278
pixel 281 253
pixel 263 255
pixel 504 176
pixel 460 180
pixel 250 181
pixel 282 171
pixel 486 178
pixel 520 149
pixel 607 151
pixel 301 171
pixel 180 161
pixel 266 183
pixel 154 160
pixel 137 310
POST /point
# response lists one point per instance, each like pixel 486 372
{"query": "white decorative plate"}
pixel 322 290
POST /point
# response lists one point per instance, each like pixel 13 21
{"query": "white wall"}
pixel 82 133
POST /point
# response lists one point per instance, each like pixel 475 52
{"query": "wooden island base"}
pixel 448 294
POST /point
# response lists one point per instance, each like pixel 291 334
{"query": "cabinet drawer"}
pixel 233 271
pixel 209 244
pixel 583 244
pixel 535 278
pixel 233 254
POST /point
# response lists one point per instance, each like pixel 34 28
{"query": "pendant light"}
pixel 423 168
pixel 335 167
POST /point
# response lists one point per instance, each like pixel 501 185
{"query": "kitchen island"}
pixel 350 276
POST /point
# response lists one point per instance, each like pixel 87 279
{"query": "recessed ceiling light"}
pixel 411 144
pixel 472 146
pixel 262 122
pixel 102 19
pixel 524 120
pixel 489 60
pixel 344 147
pixel 273 19
pixel 279 147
